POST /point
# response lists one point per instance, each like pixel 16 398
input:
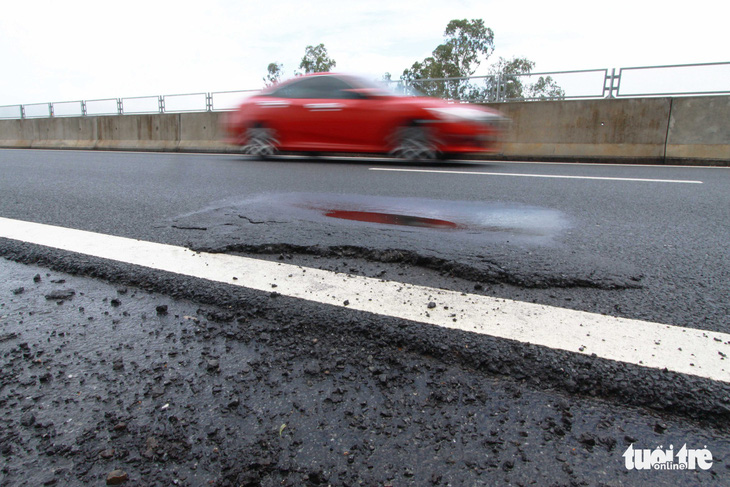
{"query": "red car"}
pixel 328 112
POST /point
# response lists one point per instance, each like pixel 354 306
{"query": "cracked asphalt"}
pixel 101 380
pixel 117 374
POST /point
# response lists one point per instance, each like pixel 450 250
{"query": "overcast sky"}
pixel 78 49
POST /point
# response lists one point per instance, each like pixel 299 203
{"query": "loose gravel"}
pixel 108 384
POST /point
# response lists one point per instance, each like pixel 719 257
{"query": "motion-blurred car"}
pixel 334 113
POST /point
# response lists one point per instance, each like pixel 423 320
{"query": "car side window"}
pixel 322 87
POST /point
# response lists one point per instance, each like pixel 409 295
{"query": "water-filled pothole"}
pixel 341 219
pixel 391 219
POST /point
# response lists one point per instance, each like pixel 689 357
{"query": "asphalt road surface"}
pixel 270 385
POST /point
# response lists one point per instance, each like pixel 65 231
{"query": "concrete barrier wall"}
pixel 653 130
pixel 157 132
pixel 631 129
pixel 699 128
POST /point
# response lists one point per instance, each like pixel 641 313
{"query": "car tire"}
pixel 260 141
pixel 414 143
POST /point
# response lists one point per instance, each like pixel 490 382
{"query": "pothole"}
pixel 391 219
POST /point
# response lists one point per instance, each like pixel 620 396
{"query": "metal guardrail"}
pixel 669 80
pixel 715 86
pixel 584 84
pixel 187 102
pixel 703 79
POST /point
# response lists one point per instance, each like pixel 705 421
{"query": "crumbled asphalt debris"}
pixel 484 272
pixel 60 294
pixel 358 409
pixel 213 365
pixel 28 419
pixel 116 477
pixel 4 337
pixel 182 227
pixel 118 364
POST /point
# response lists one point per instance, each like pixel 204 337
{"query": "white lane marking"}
pixel 609 164
pixel 686 350
pixel 475 162
pixel 549 176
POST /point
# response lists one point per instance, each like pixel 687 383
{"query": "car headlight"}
pixel 463 113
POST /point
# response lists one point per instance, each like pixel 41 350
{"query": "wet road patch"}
pixel 489 241
pixel 391 219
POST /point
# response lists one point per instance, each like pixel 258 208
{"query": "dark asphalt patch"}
pixel 226 395
pixel 545 368
pixel 487 272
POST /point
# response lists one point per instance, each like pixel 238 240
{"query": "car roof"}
pixel 301 77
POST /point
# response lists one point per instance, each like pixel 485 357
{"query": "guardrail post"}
pixel 83 108
pixel 611 83
pixel 120 107
pixel 617 88
pixel 208 102
pixel 161 103
pixel 22 111
pixel 50 110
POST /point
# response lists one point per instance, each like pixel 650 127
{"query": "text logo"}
pixel 667 459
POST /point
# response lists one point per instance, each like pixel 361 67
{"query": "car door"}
pixel 339 117
pixel 324 103
pixel 324 113
pixel 283 110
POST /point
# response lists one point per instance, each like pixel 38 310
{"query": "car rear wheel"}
pixel 260 141
pixel 414 143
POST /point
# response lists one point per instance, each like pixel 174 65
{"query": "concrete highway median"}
pixel 688 130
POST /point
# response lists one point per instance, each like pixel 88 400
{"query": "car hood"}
pixel 438 104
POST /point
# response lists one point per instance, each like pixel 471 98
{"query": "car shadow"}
pixel 359 160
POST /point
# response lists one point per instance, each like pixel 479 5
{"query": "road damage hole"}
pixel 392 219
pixel 484 241
pixel 472 223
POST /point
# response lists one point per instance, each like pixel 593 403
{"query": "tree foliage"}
pixel 274 73
pixel 316 60
pixel 508 80
pixel 506 75
pixel 545 88
pixel 467 44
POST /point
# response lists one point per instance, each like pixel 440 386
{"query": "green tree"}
pixel 316 60
pixel 545 88
pixel 508 80
pixel 274 73
pixel 467 44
